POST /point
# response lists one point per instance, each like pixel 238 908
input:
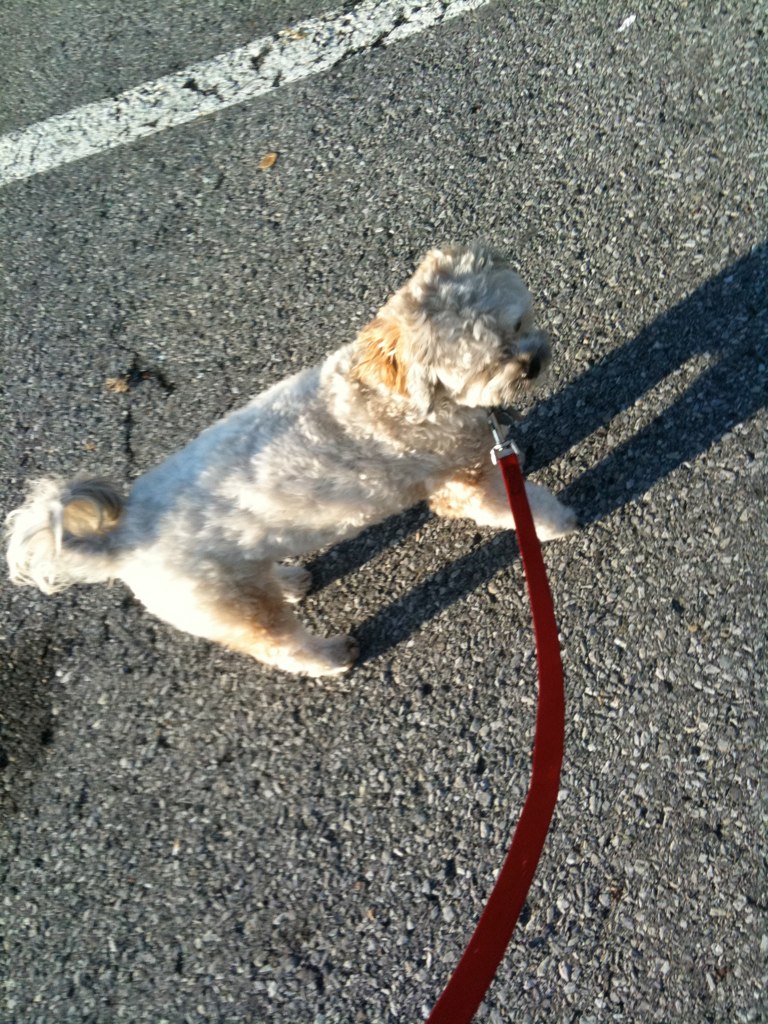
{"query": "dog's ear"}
pixel 386 359
pixel 379 356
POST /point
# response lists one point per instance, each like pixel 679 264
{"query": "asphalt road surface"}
pixel 188 837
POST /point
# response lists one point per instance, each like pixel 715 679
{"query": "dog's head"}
pixel 461 329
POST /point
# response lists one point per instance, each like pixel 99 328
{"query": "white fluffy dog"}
pixel 393 418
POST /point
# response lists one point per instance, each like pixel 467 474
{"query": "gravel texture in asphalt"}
pixel 188 837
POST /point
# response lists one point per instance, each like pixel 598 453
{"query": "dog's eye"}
pixel 518 325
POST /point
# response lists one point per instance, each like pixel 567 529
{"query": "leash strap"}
pixel 475 970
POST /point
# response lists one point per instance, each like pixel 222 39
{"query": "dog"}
pixel 395 417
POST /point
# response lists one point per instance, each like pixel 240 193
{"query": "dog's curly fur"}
pixel 395 417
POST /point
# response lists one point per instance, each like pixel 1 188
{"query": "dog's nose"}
pixel 533 369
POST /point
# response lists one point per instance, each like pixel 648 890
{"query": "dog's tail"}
pixel 62 533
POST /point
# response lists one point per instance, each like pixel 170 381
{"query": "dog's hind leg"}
pixel 276 637
pixel 251 616
pixel 481 496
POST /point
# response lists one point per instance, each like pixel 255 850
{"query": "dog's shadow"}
pixel 724 322
pixel 27 722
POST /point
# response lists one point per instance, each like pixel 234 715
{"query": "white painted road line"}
pixel 255 69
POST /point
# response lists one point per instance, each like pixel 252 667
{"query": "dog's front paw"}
pixel 550 517
pixel 559 521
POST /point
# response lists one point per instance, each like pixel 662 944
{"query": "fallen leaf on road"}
pixel 267 161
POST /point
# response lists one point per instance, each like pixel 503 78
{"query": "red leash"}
pixel 475 971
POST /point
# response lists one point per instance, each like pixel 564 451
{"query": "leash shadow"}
pixel 724 323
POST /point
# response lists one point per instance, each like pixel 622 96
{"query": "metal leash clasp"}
pixel 500 422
